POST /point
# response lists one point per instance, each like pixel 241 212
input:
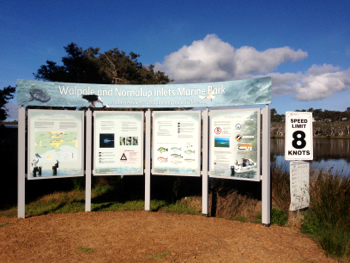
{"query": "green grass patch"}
pixel 136 205
pixel 241 219
pixel 327 220
pixel 158 256
pixel 238 218
pixel 4 224
pixel 86 250
pixel 179 207
pixel 278 217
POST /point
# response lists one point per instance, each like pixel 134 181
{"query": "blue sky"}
pixel 303 45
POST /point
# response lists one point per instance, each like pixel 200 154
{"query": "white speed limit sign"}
pixel 298 138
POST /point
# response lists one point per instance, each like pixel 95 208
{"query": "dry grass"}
pixel 280 187
pixel 234 205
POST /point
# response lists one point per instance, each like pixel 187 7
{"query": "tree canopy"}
pixel 91 66
pixel 6 94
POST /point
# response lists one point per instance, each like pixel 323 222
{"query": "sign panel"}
pixel 118 143
pixel 299 136
pixel 176 143
pixel 215 94
pixel 299 185
pixel 235 144
pixel 55 144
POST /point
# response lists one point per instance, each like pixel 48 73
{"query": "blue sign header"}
pixel 213 94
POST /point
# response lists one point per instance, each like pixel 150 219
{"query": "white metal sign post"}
pixel 298 139
pixel 299 147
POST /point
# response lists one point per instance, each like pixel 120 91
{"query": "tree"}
pixel 275 117
pixel 90 66
pixel 6 94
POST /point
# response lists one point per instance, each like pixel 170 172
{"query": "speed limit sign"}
pixel 298 138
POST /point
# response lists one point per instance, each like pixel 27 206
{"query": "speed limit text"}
pixel 297 121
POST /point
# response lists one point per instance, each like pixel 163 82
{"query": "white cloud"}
pixel 208 59
pixel 212 59
pixel 318 82
pixel 322 82
pixel 249 60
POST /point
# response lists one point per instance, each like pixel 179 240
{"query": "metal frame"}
pixel 21 211
pixel 266 177
pixel 148 117
pixel 258 144
pixel 80 142
pixel 88 147
pixel 205 160
pixel 198 143
pixel 96 140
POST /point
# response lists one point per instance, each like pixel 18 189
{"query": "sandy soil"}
pixel 149 237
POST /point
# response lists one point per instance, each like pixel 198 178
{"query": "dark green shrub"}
pixel 278 217
pixel 328 217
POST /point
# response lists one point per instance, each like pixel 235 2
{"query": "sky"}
pixel 303 45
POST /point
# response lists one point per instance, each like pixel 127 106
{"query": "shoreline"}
pixel 314 137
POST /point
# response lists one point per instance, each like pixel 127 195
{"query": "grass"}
pixel 86 250
pixel 328 217
pixel 158 256
pixel 74 201
pixel 4 224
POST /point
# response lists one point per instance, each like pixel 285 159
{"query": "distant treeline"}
pixel 317 114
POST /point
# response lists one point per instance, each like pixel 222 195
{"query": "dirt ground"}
pixel 149 237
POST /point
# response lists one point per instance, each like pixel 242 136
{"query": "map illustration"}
pixel 52 145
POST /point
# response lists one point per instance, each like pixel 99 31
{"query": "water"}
pixel 329 154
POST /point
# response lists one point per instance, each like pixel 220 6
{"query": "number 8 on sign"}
pixel 299 142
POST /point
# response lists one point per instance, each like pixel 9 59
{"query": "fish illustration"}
pixel 189 160
pixel 38 94
pixel 177 156
pixel 162 159
pixel 162 149
pixel 189 151
pixel 107 140
pixel 128 141
pixel 176 161
pixel 176 149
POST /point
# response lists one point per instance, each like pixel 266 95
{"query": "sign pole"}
pixel 88 152
pixel 205 188
pixel 148 162
pixel 21 212
pixel 266 178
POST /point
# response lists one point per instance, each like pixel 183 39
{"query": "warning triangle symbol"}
pixel 123 158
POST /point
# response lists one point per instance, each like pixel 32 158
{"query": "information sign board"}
pixel 299 185
pixel 176 143
pixel 55 144
pixel 235 144
pixel 299 137
pixel 118 143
